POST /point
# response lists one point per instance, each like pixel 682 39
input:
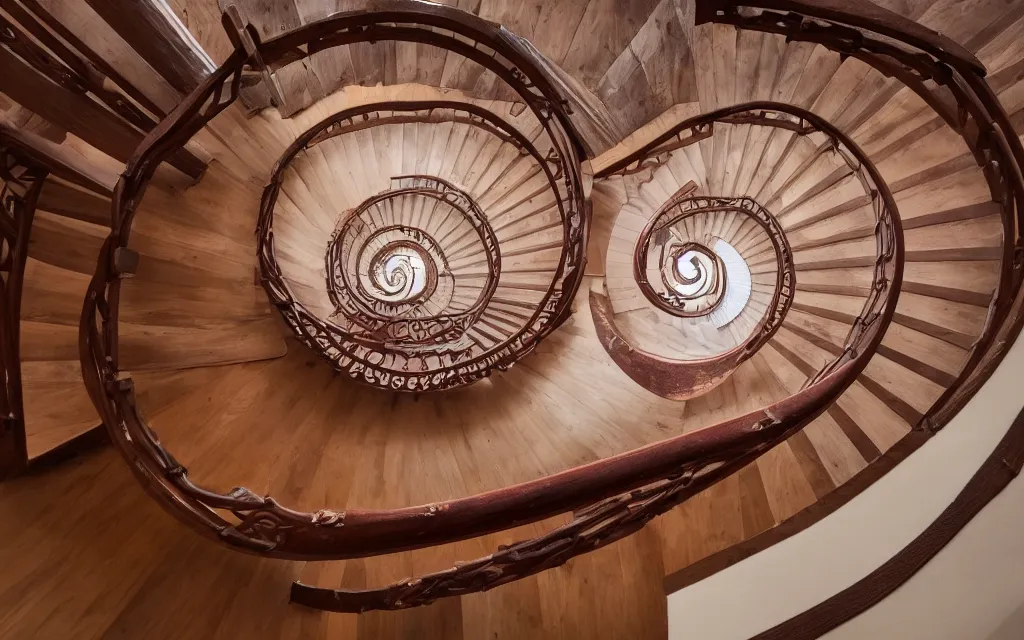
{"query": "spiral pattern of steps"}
pixel 745 318
pixel 776 165
pixel 480 209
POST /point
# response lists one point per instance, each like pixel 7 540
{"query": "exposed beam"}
pixel 57 161
pixel 156 34
pixel 78 114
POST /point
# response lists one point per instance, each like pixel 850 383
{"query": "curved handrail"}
pixel 549 313
pixel 459 201
pixel 865 16
pixel 667 471
pixel 267 528
pixel 682 380
pixel 994 139
pixel 960 95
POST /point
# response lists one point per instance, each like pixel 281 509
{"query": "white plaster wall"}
pixel 1012 628
pixel 965 593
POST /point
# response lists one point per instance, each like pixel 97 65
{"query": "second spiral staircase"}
pixel 506 339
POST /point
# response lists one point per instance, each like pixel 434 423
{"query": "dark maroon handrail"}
pixel 616 494
pixel 861 14
pixel 265 527
pixel 548 313
pixel 952 82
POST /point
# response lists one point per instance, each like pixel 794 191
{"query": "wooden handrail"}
pixel 269 529
pixel 344 347
pixel 613 496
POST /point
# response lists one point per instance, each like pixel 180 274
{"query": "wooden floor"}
pixel 87 555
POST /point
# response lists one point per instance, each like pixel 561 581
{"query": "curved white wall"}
pixel 966 592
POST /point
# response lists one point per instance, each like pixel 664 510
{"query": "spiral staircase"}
pixel 580 317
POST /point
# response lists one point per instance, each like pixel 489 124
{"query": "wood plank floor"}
pixel 87 554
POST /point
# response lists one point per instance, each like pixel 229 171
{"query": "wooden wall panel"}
pixel 607 27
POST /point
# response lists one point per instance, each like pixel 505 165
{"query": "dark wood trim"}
pixel 973 298
pixel 83 443
pixel 846 207
pixel 947 168
pixel 795 360
pixel 966 254
pixel 901 407
pixel 938 376
pixel 894 402
pixel 867 231
pixel 908 138
pixel 811 465
pixel 969 212
pixel 21 181
pixel 865 446
pixel 961 340
pixel 995 474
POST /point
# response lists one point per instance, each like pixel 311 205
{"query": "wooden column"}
pixel 154 31
pixel 20 185
pixel 28 164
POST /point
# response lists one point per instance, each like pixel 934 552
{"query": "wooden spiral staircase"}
pixel 439 367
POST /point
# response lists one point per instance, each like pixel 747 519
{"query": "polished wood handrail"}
pixel 613 496
pixel 265 527
pixel 342 348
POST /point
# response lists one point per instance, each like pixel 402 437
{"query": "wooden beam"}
pixel 156 34
pixel 56 160
pixel 35 10
pixel 78 114
pixel 22 182
pixel 63 65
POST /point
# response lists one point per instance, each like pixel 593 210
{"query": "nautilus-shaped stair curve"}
pixel 496 351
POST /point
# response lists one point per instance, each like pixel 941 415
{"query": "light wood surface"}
pixel 193 302
pixel 87 555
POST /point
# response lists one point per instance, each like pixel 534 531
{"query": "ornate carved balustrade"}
pixel 952 82
pixel 428 344
pixel 612 497
pixel 686 379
